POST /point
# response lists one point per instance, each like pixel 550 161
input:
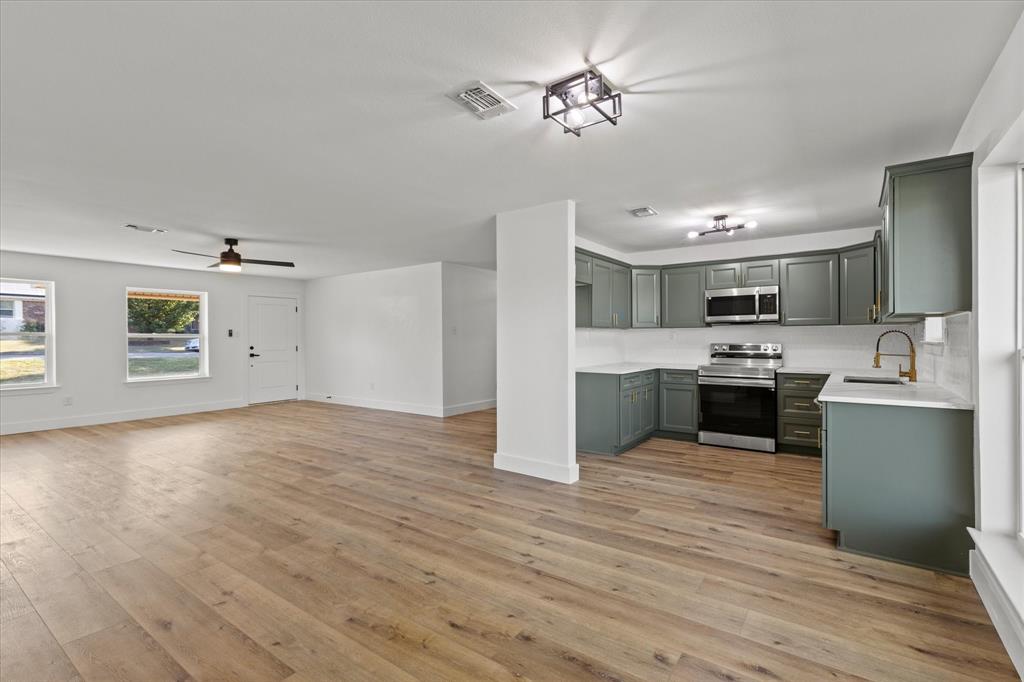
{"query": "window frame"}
pixel 1020 353
pixel 204 362
pixel 49 339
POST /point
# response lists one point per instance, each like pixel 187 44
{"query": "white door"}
pixel 273 349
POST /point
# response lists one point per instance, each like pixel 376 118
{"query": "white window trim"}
pixel 1020 353
pixel 204 362
pixel 50 335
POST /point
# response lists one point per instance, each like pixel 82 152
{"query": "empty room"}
pixel 415 340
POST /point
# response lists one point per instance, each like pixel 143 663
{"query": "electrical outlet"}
pixel 68 401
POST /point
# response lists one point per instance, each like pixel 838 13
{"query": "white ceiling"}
pixel 320 133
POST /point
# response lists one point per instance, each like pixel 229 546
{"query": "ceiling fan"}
pixel 231 260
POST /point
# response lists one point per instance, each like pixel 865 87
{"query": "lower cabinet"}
pixel 800 426
pixel 679 408
pixel 898 482
pixel 616 412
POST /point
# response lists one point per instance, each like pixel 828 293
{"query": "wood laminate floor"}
pixel 303 541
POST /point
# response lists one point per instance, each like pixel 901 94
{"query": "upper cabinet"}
pixel 682 296
pixel 621 302
pixel 742 274
pixel 857 285
pixel 647 297
pixel 609 292
pixel 584 269
pixel 926 238
pixel 809 289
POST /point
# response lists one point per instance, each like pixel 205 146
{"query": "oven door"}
pixel 731 305
pixel 738 412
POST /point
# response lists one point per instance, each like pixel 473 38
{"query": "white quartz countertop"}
pixel 631 367
pixel 917 394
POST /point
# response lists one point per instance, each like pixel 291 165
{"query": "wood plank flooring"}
pixel 303 541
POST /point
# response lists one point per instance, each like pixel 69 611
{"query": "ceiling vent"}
pixel 482 100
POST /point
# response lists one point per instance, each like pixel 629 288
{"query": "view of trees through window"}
pixel 164 334
pixel 23 333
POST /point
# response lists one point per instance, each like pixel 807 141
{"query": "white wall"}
pixel 536 377
pixel 374 339
pixel 90 326
pixel 469 312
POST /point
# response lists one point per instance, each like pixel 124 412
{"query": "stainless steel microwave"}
pixel 748 304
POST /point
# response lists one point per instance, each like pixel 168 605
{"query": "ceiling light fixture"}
pixel 720 224
pixel 582 100
pixel 642 212
pixel 144 228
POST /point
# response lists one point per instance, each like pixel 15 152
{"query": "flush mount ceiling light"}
pixel 642 212
pixel 144 228
pixel 720 224
pixel 582 100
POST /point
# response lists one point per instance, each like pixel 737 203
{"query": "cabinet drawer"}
pixel 678 376
pixel 649 378
pixel 631 381
pixel 804 433
pixel 796 405
pixel 806 381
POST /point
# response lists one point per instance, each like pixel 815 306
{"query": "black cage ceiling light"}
pixel 582 100
pixel 720 224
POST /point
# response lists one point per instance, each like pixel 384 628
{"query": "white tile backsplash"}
pixel 949 363
pixel 830 347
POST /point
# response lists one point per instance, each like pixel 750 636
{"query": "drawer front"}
pixel 796 405
pixel 649 378
pixel 800 433
pixel 678 376
pixel 805 381
pixel 631 381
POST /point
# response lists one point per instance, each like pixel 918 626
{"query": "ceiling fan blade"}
pixel 282 263
pixel 193 253
pixel 215 265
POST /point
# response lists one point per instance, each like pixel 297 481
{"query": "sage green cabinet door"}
pixel 646 298
pixel 682 297
pixel 857 286
pixel 626 417
pixel 621 302
pixel 759 273
pixel 601 294
pixel 809 288
pixel 724 276
pixel 679 408
pixel 932 242
pixel 649 409
pixel 584 263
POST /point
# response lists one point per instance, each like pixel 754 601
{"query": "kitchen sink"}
pixel 873 380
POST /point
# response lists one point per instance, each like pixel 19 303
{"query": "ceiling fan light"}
pixel 230 267
pixel 730 232
pixel 751 224
pixel 692 234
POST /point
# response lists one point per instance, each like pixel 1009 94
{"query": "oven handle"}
pixel 737 381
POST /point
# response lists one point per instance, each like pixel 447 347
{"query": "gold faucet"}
pixel 912 372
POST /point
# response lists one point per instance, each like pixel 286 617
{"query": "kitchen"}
pixel 854 352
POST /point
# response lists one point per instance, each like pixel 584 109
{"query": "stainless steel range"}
pixel 737 395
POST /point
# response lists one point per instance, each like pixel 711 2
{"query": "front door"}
pixel 273 349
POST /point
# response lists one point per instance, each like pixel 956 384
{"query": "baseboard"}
pixel 1007 620
pixel 389 405
pixel 561 473
pixel 475 406
pixel 7 428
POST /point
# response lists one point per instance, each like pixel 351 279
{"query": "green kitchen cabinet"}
pixel 809 289
pixel 742 274
pixel 926 238
pixel 614 412
pixel 630 417
pixel 621 302
pixel 898 482
pixel 880 276
pixel 601 294
pixel 799 414
pixel 682 296
pixel 857 285
pixel 646 292
pixel 756 273
pixel 679 403
pixel 648 409
pixel 584 268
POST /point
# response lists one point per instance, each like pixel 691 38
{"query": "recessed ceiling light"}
pixel 145 228
pixel 643 212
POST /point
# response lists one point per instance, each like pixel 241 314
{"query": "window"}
pixel 166 334
pixel 26 334
pixel 1020 353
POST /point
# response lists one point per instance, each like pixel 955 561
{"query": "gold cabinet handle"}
pixel 802 404
pixel 802 433
pixel 819 436
pixel 801 381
